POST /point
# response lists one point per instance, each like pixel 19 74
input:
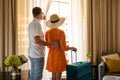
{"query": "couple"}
pixel 55 41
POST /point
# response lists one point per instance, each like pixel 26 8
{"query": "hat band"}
pixel 55 21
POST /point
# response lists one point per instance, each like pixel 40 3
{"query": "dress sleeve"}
pixel 63 42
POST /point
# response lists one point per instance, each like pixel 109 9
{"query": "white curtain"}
pixel 78 24
pixel 45 5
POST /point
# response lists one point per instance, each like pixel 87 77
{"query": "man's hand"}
pixel 44 17
pixel 56 44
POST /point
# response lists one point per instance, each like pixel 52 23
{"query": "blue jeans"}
pixel 36 71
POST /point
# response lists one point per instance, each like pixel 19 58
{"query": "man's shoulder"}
pixel 34 23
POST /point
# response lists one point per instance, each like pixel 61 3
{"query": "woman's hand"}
pixel 73 49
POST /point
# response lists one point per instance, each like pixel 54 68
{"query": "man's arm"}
pixel 42 42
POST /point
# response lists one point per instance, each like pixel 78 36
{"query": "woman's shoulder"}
pixel 61 30
pixel 55 30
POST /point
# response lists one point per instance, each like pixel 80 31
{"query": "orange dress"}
pixel 56 61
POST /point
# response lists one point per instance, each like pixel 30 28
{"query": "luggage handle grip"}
pixel 72 57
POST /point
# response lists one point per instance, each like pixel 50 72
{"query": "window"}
pixel 73 25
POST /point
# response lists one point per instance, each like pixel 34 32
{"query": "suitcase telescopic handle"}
pixel 72 56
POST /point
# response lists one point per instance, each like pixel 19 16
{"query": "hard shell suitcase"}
pixel 79 71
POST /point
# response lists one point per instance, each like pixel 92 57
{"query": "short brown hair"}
pixel 36 11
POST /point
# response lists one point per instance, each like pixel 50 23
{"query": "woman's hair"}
pixel 36 11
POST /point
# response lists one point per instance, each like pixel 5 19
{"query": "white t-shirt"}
pixel 35 29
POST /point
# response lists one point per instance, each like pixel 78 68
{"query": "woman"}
pixel 56 61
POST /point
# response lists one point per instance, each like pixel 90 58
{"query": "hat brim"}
pixel 55 25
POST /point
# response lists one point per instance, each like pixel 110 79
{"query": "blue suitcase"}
pixel 79 71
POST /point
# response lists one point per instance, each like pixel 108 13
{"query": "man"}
pixel 36 45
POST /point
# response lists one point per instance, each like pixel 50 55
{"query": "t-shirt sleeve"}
pixel 37 30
